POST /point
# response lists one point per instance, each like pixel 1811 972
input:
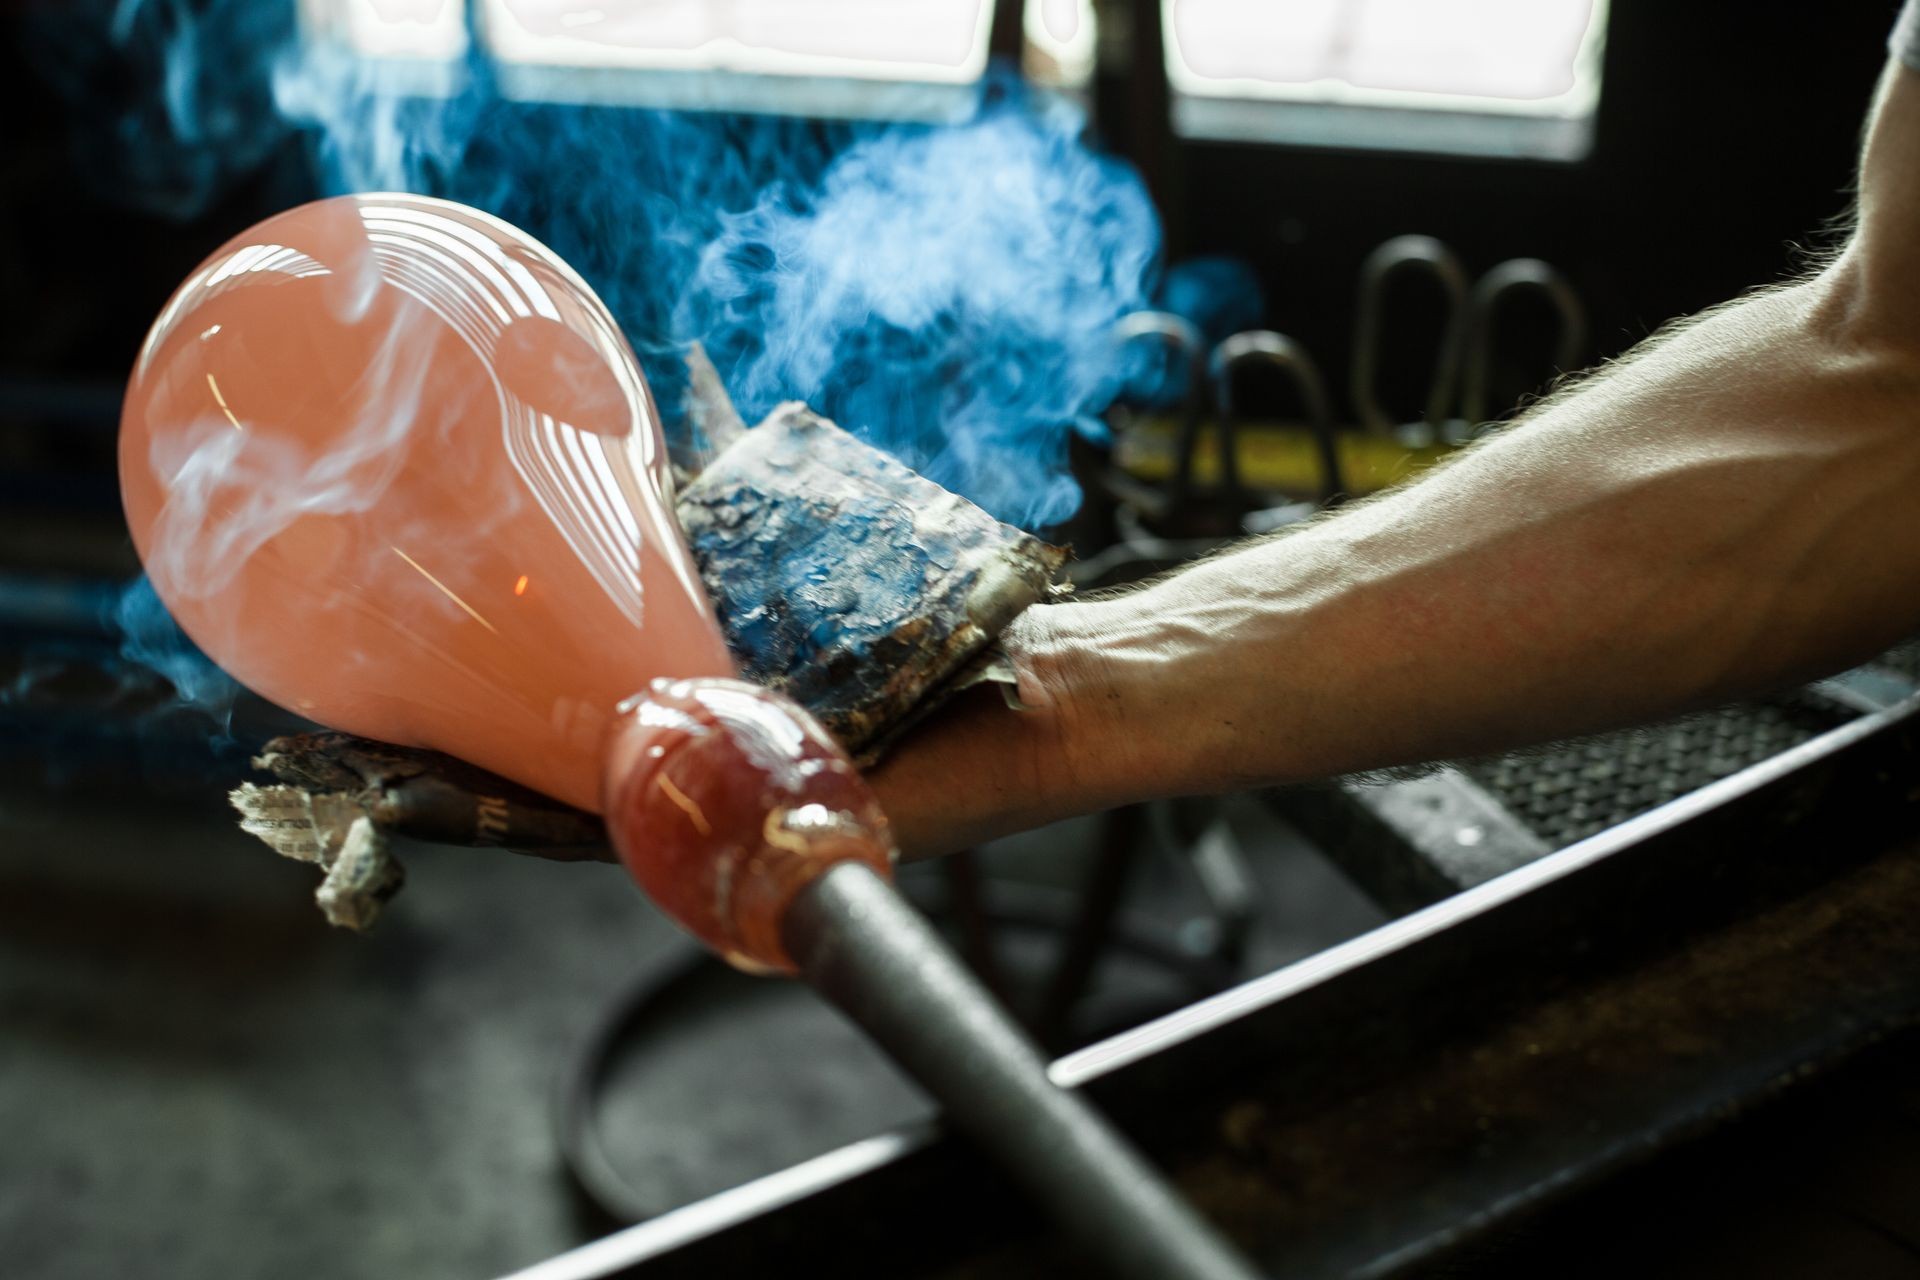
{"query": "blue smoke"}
pixel 149 638
pixel 96 676
pixel 169 101
pixel 944 291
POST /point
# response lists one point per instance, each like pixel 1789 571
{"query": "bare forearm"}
pixel 1710 518
pixel 1734 507
pixel 1725 513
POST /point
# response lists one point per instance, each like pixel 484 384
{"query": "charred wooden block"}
pixel 848 581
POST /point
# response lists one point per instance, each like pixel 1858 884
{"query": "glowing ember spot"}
pixel 520 587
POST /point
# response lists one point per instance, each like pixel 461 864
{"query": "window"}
pixel 831 58
pixel 423 30
pixel 1493 77
pixel 911 59
pixel 937 40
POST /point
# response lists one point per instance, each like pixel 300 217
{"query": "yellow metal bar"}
pixel 1276 456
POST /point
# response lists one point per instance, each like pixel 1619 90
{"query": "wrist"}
pixel 1071 713
pixel 980 768
pixel 1118 689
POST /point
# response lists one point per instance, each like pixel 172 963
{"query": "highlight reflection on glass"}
pixel 351 440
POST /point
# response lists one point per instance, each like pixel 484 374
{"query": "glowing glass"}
pixel 390 462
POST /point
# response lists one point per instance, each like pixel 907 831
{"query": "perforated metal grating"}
pixel 1570 792
pixel 1905 660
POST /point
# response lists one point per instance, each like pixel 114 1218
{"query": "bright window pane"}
pixel 925 40
pixel 424 29
pixel 1516 55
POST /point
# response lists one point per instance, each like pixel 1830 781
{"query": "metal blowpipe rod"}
pixel 859 943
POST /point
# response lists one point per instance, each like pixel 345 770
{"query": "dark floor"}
pixel 199 1078
pixel 1825 1184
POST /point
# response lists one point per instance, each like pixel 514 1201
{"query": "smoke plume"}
pixel 945 291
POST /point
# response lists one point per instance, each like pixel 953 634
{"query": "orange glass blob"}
pixel 390 462
pixel 725 800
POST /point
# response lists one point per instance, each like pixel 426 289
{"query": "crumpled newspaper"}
pixel 333 831
pixel 338 799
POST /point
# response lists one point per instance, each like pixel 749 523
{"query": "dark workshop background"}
pixel 1726 138
pixel 196 1078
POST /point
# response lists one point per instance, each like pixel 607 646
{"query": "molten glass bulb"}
pixel 390 462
